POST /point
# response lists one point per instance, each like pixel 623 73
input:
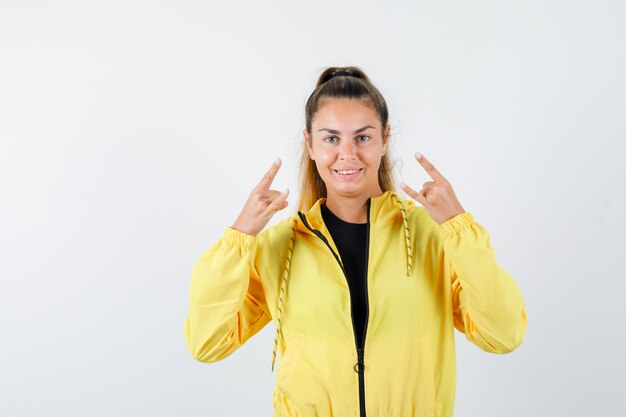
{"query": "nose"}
pixel 347 150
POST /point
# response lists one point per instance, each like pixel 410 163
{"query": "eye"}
pixel 330 137
pixel 364 136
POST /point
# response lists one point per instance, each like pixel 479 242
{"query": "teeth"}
pixel 350 171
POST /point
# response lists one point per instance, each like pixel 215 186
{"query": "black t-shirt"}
pixel 351 241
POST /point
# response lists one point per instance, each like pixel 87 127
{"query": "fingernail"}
pixel 286 191
pixel 418 155
pixel 277 161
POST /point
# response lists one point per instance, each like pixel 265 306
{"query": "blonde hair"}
pixel 356 86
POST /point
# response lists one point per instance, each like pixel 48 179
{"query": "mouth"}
pixel 349 173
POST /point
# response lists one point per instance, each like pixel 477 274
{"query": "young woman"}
pixel 365 287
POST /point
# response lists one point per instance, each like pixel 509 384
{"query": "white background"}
pixel 132 132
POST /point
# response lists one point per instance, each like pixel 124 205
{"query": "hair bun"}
pixel 342 72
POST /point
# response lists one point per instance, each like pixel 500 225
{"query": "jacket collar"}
pixel 383 209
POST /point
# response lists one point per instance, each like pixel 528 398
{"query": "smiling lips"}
pixel 348 173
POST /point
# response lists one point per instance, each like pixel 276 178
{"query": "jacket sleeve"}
pixel 227 302
pixel 487 304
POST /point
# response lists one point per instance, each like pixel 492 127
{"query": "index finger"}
pixel 267 179
pixel 430 168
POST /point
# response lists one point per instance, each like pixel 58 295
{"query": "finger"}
pixel 267 179
pixel 428 185
pixel 430 168
pixel 278 203
pixel 268 196
pixel 417 196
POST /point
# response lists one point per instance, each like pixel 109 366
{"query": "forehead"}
pixel 339 113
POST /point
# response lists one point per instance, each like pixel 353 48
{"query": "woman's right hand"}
pixel 262 204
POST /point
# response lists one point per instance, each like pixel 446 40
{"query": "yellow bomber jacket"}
pixel 423 280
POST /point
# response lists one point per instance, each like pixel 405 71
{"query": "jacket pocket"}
pixel 427 375
pixel 285 366
pixel 400 377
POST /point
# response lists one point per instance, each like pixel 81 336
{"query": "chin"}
pixel 348 189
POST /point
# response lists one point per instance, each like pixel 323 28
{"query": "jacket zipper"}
pixel 359 367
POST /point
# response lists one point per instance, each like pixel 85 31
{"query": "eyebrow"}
pixel 338 132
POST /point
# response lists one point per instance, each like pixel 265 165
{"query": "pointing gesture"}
pixel 437 196
pixel 262 204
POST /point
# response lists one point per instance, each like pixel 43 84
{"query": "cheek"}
pixel 325 158
pixel 371 156
pixel 323 163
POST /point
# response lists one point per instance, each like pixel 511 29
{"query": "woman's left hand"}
pixel 437 196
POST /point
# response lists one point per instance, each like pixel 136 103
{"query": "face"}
pixel 346 135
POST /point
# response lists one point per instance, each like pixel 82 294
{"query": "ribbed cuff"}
pixel 457 224
pixel 238 238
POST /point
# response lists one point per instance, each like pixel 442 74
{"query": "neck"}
pixel 351 209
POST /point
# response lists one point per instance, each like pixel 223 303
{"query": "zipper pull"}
pixel 359 367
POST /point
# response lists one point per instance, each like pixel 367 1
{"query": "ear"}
pixel 307 140
pixel 386 138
